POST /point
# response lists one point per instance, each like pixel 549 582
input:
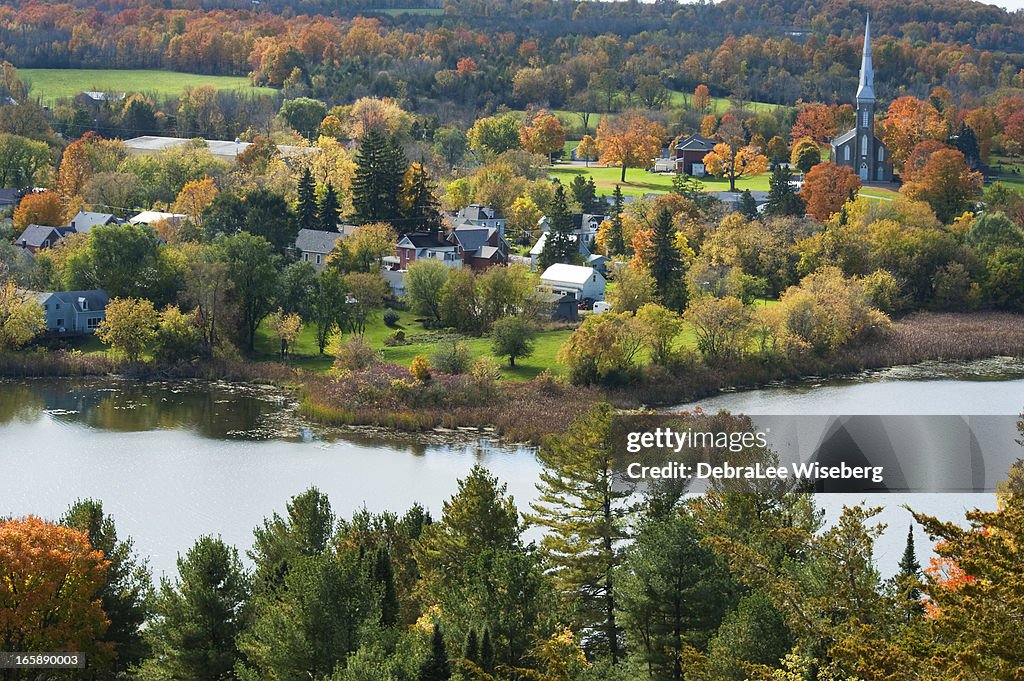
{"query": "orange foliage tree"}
pixel 701 98
pixel 946 183
pixel 817 122
pixel 908 122
pixel 734 162
pixel 195 197
pixel 629 140
pixel 827 188
pixel 44 208
pixel 49 580
pixel 75 169
pixel 542 134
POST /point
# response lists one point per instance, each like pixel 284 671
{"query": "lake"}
pixel 172 461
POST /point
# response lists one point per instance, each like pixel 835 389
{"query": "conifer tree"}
pixel 420 207
pixel 486 652
pixel 909 577
pixel 560 244
pixel 471 651
pixel 616 239
pixel 307 209
pixel 380 168
pixel 666 263
pixel 329 210
pixel 782 197
pixel 436 666
pixel 748 206
pixel 584 511
pixel 384 577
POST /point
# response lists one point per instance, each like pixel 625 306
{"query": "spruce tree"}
pixel 748 206
pixel 486 652
pixel 909 576
pixel 384 577
pixel 616 241
pixel 420 207
pixel 436 666
pixel 307 209
pixel 329 210
pixel 560 244
pixel 782 198
pixel 966 142
pixel 666 263
pixel 471 651
pixel 380 168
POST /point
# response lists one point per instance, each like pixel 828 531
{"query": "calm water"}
pixel 172 461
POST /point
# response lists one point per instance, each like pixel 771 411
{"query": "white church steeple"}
pixel 866 90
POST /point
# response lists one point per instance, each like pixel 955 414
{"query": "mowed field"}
pixel 52 84
pixel 639 181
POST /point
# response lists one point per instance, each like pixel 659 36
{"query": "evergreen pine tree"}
pixel 436 666
pixel 616 241
pixel 748 206
pixel 307 208
pixel 909 576
pixel 966 142
pixel 486 652
pixel 380 168
pixel 560 244
pixel 782 198
pixel 585 193
pixel 384 577
pixel 329 210
pixel 471 650
pixel 420 207
pixel 666 263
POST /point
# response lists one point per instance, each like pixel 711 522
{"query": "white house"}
pixel 585 283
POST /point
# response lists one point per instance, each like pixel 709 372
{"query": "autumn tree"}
pixel 50 576
pixel 284 328
pixel 701 98
pixel 806 154
pixel 816 122
pixel 494 135
pixel 74 170
pixel 21 317
pixel 195 197
pixel 542 134
pixel 629 141
pixel 946 183
pixel 827 188
pixel 587 150
pixel 44 208
pixel 634 288
pixel 733 162
pixel 907 122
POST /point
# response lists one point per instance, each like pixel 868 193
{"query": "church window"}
pixel 846 152
pixel 864 145
pixel 881 153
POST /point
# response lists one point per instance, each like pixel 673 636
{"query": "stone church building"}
pixel 859 149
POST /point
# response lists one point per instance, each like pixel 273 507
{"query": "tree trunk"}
pixel 623 177
pixel 512 361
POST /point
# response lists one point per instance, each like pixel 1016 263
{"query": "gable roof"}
pixel 472 238
pixel 96 299
pixel 695 143
pixel 569 274
pixel 476 211
pixel 316 241
pixel 9 197
pixel 35 235
pixel 846 136
pixel 420 240
pixel 86 220
pixel 149 217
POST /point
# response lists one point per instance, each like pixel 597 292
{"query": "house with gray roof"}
pixel 480 247
pixel 40 237
pixel 86 220
pixel 73 312
pixel 314 245
pixel 475 215
pixel 419 245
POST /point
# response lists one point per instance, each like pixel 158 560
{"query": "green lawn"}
pixel 879 193
pixel 52 84
pixel 720 105
pixel 306 355
pixel 1003 170
pixel 640 182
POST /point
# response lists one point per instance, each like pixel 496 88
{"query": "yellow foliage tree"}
pixel 629 140
pixel 732 163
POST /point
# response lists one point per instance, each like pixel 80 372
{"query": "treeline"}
pixel 742 582
pixel 806 55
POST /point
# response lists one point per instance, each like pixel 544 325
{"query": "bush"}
pixel 352 353
pixel 451 357
pixel 420 368
pixel 397 338
pixel 391 317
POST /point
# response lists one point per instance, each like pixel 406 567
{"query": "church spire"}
pixel 866 90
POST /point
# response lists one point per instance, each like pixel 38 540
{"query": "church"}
pixel 859 149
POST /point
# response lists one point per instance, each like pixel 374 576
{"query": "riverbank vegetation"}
pixel 624 585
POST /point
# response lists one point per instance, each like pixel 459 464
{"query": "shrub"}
pixel 451 357
pixel 420 368
pixel 397 338
pixel 352 353
pixel 391 317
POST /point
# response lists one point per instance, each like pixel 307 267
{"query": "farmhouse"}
pixel 479 247
pixel 689 152
pixel 73 311
pixel 476 215
pixel 419 245
pixel 585 283
pixel 40 237
pixel 313 246
pixel 859 149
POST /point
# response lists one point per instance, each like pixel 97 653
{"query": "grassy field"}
pixel 1008 171
pixel 306 355
pixel 640 182
pixel 53 84
pixel 720 105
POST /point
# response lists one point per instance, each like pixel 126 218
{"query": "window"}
pixel 60 323
pixel 46 307
pixel 58 306
pixel 881 153
pixel 305 256
pixel 864 145
pixel 93 322
pixel 864 118
pixel 846 153
pixel 46 243
pixel 85 305
pixel 317 258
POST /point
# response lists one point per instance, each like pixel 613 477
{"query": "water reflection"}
pixel 212 410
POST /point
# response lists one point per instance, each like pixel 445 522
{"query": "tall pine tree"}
pixel 306 210
pixel 616 242
pixel 560 243
pixel 329 211
pixel 420 207
pixel 376 188
pixel 666 263
pixel 782 197
pixel 436 667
